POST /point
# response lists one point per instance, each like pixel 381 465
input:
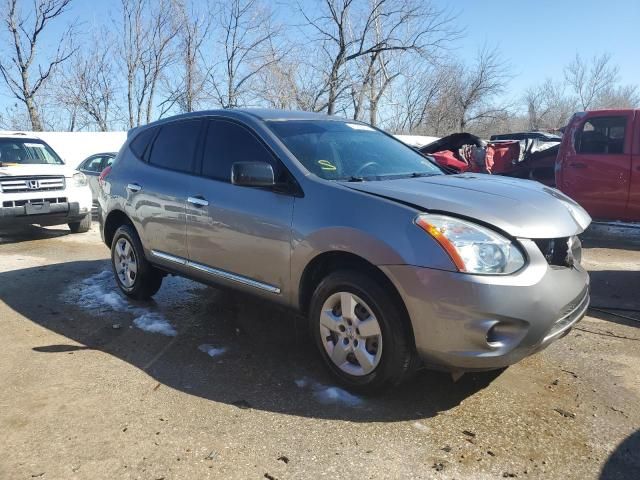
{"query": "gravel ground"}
pixel 208 384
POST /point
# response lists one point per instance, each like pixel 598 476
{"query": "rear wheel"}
pixel 135 276
pixel 82 226
pixel 359 330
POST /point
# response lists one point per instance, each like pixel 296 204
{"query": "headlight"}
pixel 472 248
pixel 79 179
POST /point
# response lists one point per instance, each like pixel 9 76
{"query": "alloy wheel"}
pixel 125 262
pixel 350 334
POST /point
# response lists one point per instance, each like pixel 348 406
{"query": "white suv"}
pixel 36 187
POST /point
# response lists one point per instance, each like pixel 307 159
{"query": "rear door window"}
pixel 226 143
pixel 602 135
pixel 175 146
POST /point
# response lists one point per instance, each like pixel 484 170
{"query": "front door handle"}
pixel 198 201
pixel 134 187
pixel 578 165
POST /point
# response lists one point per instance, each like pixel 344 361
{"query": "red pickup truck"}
pixel 598 164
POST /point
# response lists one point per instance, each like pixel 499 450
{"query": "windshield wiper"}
pixel 422 174
pixel 353 178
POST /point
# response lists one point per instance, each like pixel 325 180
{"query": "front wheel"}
pixel 82 226
pixel 135 276
pixel 360 332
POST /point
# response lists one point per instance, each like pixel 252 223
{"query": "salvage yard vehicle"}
pixel 36 187
pixel 529 155
pixel 598 164
pixel 92 167
pixel 395 264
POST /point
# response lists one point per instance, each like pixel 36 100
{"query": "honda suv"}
pixel 36 187
pixel 395 264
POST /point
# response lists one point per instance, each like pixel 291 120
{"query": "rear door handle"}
pixel 578 165
pixel 134 187
pixel 198 201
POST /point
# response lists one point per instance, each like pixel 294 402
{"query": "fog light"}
pixel 493 338
pixel 503 334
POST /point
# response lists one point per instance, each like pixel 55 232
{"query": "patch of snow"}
pixel 100 293
pixel 302 382
pixel 327 394
pixel 211 350
pixel 155 323
pixel 416 140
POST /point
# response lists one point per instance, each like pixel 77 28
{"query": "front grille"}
pixel 31 184
pixel 22 203
pixel 558 251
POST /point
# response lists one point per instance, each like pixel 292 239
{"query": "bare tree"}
pixel 375 78
pixel 589 79
pixel 14 118
pixel 23 74
pixel 188 89
pixel 422 102
pixel 548 105
pixel 477 87
pixel 148 32
pixel 248 43
pixel 618 96
pixel 348 30
pixel 89 86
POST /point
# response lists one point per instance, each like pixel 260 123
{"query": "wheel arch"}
pixel 331 261
pixel 115 220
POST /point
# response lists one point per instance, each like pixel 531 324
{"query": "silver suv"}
pixel 394 263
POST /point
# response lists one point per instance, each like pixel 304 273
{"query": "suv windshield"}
pixel 27 151
pixel 336 150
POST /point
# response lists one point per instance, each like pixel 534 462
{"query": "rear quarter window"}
pixel 141 142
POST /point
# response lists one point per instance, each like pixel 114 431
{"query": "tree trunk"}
pixel 130 99
pixel 34 116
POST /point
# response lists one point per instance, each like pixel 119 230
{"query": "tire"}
pixel 82 226
pixel 390 358
pixel 141 282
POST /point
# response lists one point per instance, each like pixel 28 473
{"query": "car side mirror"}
pixel 252 174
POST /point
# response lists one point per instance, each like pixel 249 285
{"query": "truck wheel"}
pixel 82 226
pixel 135 276
pixel 358 328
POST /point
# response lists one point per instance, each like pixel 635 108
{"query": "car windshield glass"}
pixel 27 151
pixel 336 150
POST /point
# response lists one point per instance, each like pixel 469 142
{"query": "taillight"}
pixel 103 175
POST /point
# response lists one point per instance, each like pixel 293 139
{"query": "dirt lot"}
pixel 207 384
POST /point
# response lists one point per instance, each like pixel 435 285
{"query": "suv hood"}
pixel 17 170
pixel 521 208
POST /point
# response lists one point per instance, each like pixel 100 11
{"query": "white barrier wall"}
pixel 416 140
pixel 74 147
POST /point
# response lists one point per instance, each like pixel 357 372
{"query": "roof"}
pixel 267 114
pixel 263 114
pixel 21 136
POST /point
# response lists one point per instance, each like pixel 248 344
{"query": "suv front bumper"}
pixel 56 214
pixel 472 322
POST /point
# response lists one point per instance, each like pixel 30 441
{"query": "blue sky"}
pixel 538 38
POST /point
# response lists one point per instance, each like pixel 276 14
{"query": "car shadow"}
pixel 229 348
pixel 624 462
pixel 614 296
pixel 26 233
